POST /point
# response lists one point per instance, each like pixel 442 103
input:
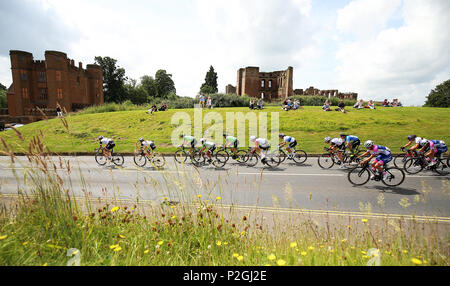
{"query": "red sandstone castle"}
pixel 45 84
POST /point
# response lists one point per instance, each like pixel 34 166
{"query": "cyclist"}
pixel 189 140
pixel 412 138
pixel 382 153
pixel 261 145
pixel 109 143
pixel 231 141
pixel 211 146
pixel 149 146
pixel 337 145
pixel 292 143
pixel 434 147
pixel 352 141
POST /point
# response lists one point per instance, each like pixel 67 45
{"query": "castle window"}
pixel 59 93
pixel 270 83
pixel 41 76
pixel 58 75
pixel 43 94
pixel 262 83
pixel 25 92
pixel 262 95
pixel 78 80
pixel 23 75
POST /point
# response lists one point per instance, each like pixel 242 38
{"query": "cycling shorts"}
pixel 383 159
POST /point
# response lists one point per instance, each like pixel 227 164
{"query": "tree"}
pixel 2 87
pixel 113 79
pixel 210 85
pixel 165 84
pixel 150 85
pixel 439 96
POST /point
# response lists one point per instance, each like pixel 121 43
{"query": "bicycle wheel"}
pixel 252 160
pixel 222 155
pixel 325 161
pixel 300 156
pixel 180 156
pixel 140 160
pixel 158 160
pixel 118 159
pixel 199 159
pixel 395 176
pixel 273 159
pixel 399 160
pixel 100 159
pixel 282 155
pixel 358 176
pixel 351 161
pixel 442 167
pixel 221 160
pixel 413 165
pixel 242 156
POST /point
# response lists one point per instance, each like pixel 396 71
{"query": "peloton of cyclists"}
pixel 382 153
pixel 412 139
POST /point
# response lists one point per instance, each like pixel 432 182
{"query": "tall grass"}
pixel 189 225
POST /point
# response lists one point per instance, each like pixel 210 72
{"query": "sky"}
pixel 377 48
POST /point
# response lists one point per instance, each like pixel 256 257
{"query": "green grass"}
pixel 385 126
pixel 40 227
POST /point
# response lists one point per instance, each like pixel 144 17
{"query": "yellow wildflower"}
pixel 45 264
pixel 405 251
pixel 363 252
pixel 364 220
pixel 160 242
pixel 303 253
pixel 240 258
pixel 174 217
pixel 146 251
pixel 199 196
pixel 243 232
pixel 113 246
pixel 272 257
pixel 165 198
pixel 416 261
pixel 121 236
pixel 293 244
pixel 218 198
pixel 311 248
pixel 118 248
pixel 344 240
pixel 281 262
pixel 114 209
pixel 25 243
pixel 218 243
pixel 235 255
pixel 3 237
pixel 225 243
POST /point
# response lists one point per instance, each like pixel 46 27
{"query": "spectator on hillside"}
pixel 326 106
pixel 202 100
pixel 163 106
pixel 252 104
pixel 296 104
pixel 209 103
pixel 359 104
pixel 259 105
pixel 341 106
pixel 399 104
pixel 370 105
pixel 153 109
pixel 386 103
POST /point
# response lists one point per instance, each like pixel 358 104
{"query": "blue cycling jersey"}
pixel 289 139
pixel 351 138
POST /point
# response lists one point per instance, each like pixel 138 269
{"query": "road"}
pixel 286 188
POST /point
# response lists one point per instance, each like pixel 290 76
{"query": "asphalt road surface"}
pixel 288 187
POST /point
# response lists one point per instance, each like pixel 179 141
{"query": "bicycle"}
pixel 360 175
pixel 101 158
pixel 299 157
pixel 273 159
pixel 327 160
pixel 400 159
pixel 226 152
pixel 141 157
pixel 217 159
pixel 416 164
pixel 181 154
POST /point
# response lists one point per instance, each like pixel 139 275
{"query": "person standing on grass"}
pixel 58 111
pixel 202 100
pixel 209 102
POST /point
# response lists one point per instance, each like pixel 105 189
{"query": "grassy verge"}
pixel 385 126
pixel 50 227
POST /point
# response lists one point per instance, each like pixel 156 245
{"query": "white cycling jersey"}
pixel 337 141
pixel 209 144
pixel 418 139
pixel 288 139
pixel 262 142
pixel 105 141
pixel 147 143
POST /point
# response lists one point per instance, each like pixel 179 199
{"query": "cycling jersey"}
pixel 232 139
pixel 190 139
pixel 263 143
pixel 418 139
pixel 381 150
pixel 147 143
pixel 106 141
pixel 337 141
pixel 289 139
pixel 209 144
pixel 351 138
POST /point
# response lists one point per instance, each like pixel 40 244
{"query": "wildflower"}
pixel 293 244
pixel 311 248
pixel 199 196
pixel 348 226
pixel 281 262
pixel 303 253
pixel 405 251
pixel 243 232
pixel 25 243
pixel 114 209
pixel 146 251
pixel 344 240
pixel 174 217
pixel 364 220
pixel 218 198
pixel 122 236
pixel 3 237
pixel 235 255
pixel 160 242
pixel 165 198
pixel 45 264
pixel 272 257
pixel 225 243
pixel 240 258
pixel 118 248
pixel 363 252
pixel 218 243
pixel 113 246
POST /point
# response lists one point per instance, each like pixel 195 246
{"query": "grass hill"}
pixel 385 126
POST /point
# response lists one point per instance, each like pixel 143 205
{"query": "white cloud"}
pixel 404 62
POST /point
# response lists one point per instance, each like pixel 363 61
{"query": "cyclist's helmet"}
pixel 203 140
pixel 224 134
pixel 411 137
pixel 343 134
pixel 281 135
pixel 252 138
pixel 141 139
pixel 368 144
pixel 181 135
pixel 423 142
pixel 100 137
pixel 327 139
